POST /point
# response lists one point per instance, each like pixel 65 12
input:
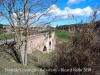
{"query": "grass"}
pixel 44 59
pixel 7 62
pixel 62 35
pixel 8 36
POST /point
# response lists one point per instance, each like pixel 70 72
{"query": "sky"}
pixel 68 12
pixel 80 9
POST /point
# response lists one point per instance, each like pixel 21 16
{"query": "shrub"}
pixel 83 52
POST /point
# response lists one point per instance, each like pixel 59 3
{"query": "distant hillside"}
pixel 1 26
pixel 65 27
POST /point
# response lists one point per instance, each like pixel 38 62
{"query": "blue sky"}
pixel 64 10
pixel 81 10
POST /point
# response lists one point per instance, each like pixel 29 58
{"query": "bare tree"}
pixel 21 14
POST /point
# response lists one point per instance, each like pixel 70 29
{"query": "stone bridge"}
pixel 44 42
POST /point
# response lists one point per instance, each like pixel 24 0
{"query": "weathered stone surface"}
pixel 42 42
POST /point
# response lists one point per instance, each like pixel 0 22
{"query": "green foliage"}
pixel 1 26
pixel 50 35
pixel 8 36
pixel 62 27
pixel 62 35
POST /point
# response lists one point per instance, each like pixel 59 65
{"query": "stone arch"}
pixel 44 48
pixel 49 45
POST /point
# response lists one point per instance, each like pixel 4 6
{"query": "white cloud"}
pixel 54 11
pixel 62 14
pixel 81 12
pixel 98 12
pixel 78 12
pixel 70 2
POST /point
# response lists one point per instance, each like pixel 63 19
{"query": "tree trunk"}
pixel 26 35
